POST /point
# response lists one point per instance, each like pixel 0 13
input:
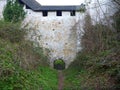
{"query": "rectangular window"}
pixel 59 13
pixel 72 13
pixel 45 13
pixel 27 7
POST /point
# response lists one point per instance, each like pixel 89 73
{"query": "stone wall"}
pixel 2 5
pixel 59 34
pixel 62 34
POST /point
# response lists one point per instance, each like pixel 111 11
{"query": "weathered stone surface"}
pixel 59 34
pixel 2 5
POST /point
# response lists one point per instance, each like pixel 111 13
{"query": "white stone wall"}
pixel 2 5
pixel 59 34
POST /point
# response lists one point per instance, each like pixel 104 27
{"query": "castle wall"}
pixel 59 34
pixel 2 5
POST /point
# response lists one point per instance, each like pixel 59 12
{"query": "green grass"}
pixel 15 77
pixel 97 66
pixel 74 79
pixel 23 66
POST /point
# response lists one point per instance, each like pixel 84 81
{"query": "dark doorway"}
pixel 59 64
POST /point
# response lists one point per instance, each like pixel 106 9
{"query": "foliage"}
pixel 59 64
pixel 82 8
pixel 11 32
pixel 21 66
pixel 97 66
pixel 13 11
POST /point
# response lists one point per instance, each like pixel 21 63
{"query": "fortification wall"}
pixel 60 34
pixel 2 5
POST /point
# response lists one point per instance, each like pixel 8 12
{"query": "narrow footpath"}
pixel 60 80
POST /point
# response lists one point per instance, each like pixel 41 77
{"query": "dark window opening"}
pixel 45 13
pixel 72 13
pixel 27 7
pixel 59 13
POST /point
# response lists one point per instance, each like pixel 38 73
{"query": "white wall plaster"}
pixel 59 34
pixel 2 5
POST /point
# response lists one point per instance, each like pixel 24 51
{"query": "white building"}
pixel 2 5
pixel 57 27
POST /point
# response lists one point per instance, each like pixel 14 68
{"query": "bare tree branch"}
pixel 117 1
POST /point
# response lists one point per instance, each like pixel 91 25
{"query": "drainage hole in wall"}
pixel 66 43
pixel 59 64
pixel 59 22
pixel 53 29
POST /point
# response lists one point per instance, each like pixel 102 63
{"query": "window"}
pixel 45 13
pixel 72 13
pixel 27 7
pixel 59 13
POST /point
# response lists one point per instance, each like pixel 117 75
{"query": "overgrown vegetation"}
pixel 23 66
pixel 13 11
pixel 59 64
pixel 97 66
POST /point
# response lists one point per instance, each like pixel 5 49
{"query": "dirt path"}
pixel 61 80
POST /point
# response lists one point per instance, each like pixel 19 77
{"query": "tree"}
pixel 117 1
pixel 13 11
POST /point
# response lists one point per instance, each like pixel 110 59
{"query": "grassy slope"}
pixel 95 75
pixel 97 66
pixel 15 77
pixel 22 68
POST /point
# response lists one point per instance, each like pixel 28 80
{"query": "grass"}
pixel 23 66
pixel 93 76
pixel 97 66
pixel 15 77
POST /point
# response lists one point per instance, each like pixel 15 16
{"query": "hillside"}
pixel 23 66
pixel 90 49
pixel 97 66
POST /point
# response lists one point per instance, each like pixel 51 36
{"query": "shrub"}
pixel 99 57
pixel 11 32
pixel 13 11
pixel 22 71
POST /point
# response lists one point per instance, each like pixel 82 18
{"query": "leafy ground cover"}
pixel 23 66
pixel 97 66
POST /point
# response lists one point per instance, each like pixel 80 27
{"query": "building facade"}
pixel 60 28
pixel 56 28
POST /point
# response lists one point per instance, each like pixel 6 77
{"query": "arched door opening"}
pixel 59 64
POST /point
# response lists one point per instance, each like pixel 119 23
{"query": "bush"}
pixel 13 11
pixel 99 58
pixel 23 66
pixel 11 32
